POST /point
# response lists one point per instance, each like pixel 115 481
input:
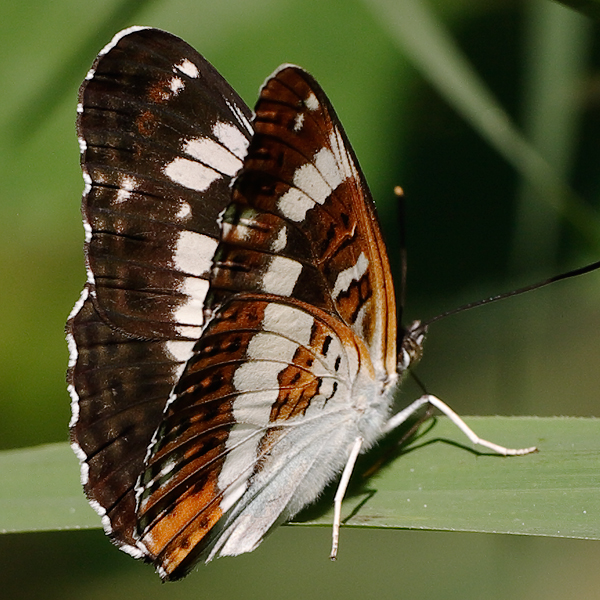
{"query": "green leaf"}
pixel 441 482
pixel 40 491
pixel 444 485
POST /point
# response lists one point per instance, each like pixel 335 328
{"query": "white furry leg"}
pixel 400 417
pixel 394 422
pixel 339 495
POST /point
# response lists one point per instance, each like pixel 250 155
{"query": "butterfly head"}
pixel 411 348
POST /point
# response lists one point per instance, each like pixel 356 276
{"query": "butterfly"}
pixel 235 346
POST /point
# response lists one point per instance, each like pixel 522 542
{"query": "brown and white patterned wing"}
pixel 161 136
pixel 292 368
pixel 302 223
pixel 258 424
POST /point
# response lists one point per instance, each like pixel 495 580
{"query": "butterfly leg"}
pixel 339 495
pixel 400 417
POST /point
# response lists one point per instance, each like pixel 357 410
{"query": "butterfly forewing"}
pixel 302 223
pixel 161 135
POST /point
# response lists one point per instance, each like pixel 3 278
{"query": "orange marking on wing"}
pixel 175 535
pixel 146 123
pixel 298 388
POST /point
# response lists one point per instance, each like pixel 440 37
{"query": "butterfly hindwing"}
pixel 119 386
pixel 256 426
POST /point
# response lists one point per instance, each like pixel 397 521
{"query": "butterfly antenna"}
pixel 523 290
pixel 399 192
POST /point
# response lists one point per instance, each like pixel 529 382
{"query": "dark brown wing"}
pixel 161 135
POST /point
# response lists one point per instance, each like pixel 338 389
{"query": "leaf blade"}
pixel 440 483
pixel 445 487
pixel 40 491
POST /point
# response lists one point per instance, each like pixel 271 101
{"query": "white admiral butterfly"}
pixel 235 345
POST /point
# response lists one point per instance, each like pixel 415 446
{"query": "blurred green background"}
pixel 482 219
